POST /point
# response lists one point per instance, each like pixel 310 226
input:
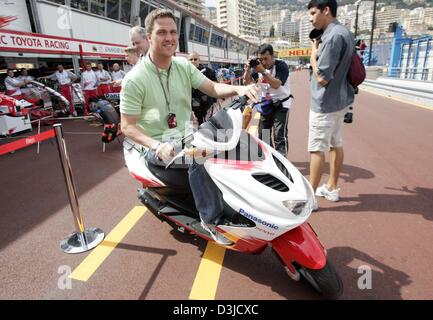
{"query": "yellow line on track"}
pixel 92 262
pixel 206 280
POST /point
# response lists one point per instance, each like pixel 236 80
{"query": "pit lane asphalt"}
pixel 384 219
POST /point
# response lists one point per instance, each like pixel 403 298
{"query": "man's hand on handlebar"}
pixel 196 153
pixel 250 91
pixel 165 152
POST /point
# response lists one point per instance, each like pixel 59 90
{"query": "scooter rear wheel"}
pixel 326 280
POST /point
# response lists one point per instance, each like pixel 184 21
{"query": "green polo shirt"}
pixel 142 95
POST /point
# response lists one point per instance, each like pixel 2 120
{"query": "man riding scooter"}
pixel 155 109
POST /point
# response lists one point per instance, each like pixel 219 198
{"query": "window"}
pixel 205 37
pixel 97 7
pixel 80 4
pixel 144 7
pixel 201 35
pixel 191 31
pixel 198 35
pixel 151 8
pixel 125 13
pixel 214 41
pixel 217 40
pixel 113 9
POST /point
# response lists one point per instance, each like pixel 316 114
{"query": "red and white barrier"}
pixel 83 239
pixel 26 142
pixel 232 81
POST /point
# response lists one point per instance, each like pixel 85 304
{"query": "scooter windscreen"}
pixel 221 132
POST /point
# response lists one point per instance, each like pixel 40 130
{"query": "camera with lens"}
pixel 348 117
pixel 316 34
pixel 254 62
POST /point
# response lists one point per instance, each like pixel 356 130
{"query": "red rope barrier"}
pixel 23 143
pixel 234 79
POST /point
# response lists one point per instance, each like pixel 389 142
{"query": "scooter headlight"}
pixel 295 206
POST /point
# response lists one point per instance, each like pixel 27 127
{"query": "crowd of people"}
pixel 156 101
pixel 94 82
pixel 160 92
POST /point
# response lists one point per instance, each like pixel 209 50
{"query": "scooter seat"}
pixel 176 178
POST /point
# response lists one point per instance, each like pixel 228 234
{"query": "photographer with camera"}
pixel 273 77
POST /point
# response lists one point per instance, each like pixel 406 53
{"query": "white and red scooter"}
pixel 267 200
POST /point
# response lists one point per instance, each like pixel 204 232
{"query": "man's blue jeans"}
pixel 207 197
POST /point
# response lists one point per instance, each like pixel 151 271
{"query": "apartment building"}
pixel 238 17
pixel 195 6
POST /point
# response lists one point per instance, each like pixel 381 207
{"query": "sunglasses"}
pixel 193 59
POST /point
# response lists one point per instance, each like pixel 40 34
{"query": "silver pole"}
pixel 209 62
pixel 373 25
pixel 39 132
pixel 82 240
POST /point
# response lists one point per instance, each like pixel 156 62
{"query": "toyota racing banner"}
pixel 15 41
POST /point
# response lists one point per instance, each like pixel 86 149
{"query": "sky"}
pixel 210 3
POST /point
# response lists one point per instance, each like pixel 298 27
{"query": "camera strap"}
pixel 166 93
pixel 288 98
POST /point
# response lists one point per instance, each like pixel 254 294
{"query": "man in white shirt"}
pixel 117 76
pixel 274 79
pixel 104 80
pixel 137 36
pixel 25 77
pixel 14 85
pixel 65 79
pixel 88 83
pixel 132 56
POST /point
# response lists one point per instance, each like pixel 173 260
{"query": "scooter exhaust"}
pixel 151 203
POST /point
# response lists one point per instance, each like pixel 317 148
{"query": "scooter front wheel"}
pixel 326 280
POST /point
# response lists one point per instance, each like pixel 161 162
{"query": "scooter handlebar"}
pixel 239 102
pixel 194 152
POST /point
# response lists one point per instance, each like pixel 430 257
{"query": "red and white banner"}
pixel 23 143
pixel 15 41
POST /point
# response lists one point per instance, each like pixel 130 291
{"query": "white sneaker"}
pixel 323 191
pixel 74 114
pixel 218 237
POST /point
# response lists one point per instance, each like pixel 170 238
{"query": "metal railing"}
pixel 425 74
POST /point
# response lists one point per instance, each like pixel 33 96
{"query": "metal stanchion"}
pixel 39 132
pixel 84 239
